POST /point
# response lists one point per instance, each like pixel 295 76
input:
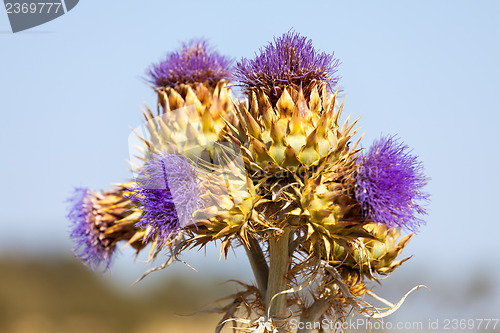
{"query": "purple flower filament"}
pixel 168 191
pixel 389 185
pixel 290 59
pixel 195 62
pixel 92 247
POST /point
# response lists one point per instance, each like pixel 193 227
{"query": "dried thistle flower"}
pixel 100 220
pixel 91 247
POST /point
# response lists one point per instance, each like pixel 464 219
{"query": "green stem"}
pixel 259 265
pixel 278 267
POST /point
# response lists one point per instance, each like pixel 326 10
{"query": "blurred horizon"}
pixel 55 293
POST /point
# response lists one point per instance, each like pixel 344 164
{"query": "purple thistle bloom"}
pixel 168 191
pixel 91 245
pixel 389 184
pixel 290 59
pixel 194 62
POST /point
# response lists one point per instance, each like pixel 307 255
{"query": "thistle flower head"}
pixel 195 62
pixel 290 60
pixel 168 191
pixel 88 230
pixel 389 184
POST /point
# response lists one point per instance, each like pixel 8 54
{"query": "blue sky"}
pixel 70 91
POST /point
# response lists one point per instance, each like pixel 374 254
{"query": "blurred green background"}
pixel 59 295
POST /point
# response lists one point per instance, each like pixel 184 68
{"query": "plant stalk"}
pixel 259 265
pixel 278 267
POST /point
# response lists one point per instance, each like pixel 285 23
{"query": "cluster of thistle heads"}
pixel 275 166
